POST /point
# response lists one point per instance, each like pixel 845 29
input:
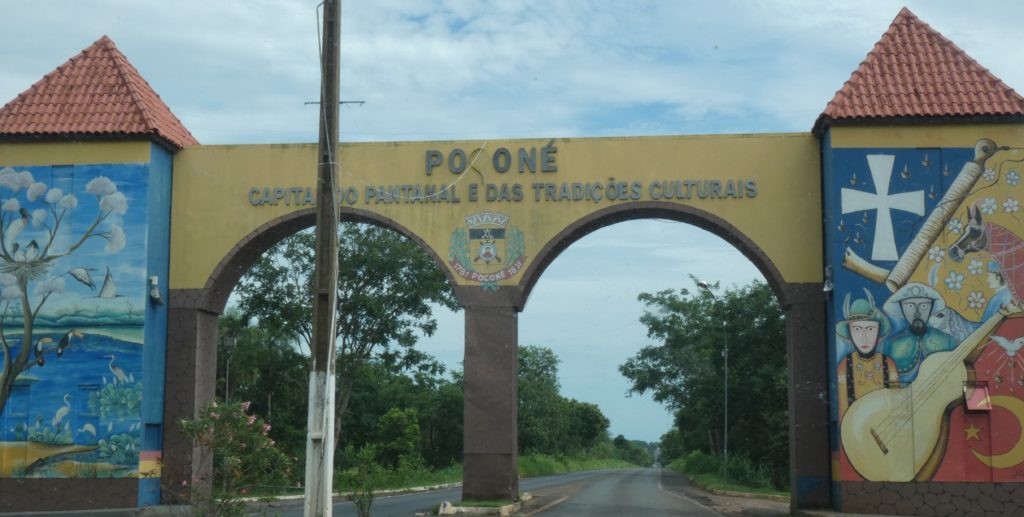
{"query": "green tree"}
pixel 398 436
pixel 632 451
pixel 548 422
pixel 685 371
pixel 268 372
pixel 435 395
pixel 671 446
pixel 542 423
pixel 387 288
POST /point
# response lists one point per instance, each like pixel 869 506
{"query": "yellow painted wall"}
pixel 212 210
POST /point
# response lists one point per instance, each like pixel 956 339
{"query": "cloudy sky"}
pixel 240 71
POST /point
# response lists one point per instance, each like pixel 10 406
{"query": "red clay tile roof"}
pixel 915 72
pixel 97 93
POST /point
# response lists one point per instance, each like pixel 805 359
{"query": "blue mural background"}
pixel 76 413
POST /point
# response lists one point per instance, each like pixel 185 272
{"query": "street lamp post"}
pixel 229 347
pixel 725 395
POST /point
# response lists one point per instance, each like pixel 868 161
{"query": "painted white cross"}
pixel 884 246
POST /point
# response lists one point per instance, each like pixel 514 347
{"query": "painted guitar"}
pixel 893 434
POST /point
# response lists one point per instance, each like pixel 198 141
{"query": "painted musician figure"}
pixel 865 369
pixel 916 303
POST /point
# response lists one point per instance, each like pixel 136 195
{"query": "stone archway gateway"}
pixel 495 228
pixel 918 195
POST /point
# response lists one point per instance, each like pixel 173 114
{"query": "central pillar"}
pixel 490 433
pixel 807 355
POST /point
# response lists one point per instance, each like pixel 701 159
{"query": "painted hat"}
pixel 862 310
pixel 913 290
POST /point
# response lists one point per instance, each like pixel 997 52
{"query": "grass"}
pixel 533 465
pixel 420 477
pixel 714 481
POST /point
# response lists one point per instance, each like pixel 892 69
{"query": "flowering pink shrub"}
pixel 243 454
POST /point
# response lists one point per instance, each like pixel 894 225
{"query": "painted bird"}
pixel 32 250
pixel 82 275
pixel 62 411
pixel 1011 347
pixel 66 340
pixel 116 370
pixel 39 349
pixel 16 227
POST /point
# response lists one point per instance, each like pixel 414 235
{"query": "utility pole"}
pixel 320 422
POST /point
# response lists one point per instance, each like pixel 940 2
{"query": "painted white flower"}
pixel 51 285
pixel 39 217
pixel 11 205
pixel 114 203
pixel 1011 205
pixel 936 253
pixel 54 195
pixel 10 182
pixel 100 186
pixel 116 240
pixel 69 201
pixel 989 174
pixel 35 190
pixel 975 300
pixel 975 267
pixel 25 179
pixel 1012 178
pixel 988 205
pixel 954 281
pixel 955 226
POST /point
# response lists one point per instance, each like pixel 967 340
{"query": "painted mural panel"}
pixel 927 258
pixel 72 295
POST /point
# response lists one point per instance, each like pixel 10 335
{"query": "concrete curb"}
pixel 448 508
pixel 748 495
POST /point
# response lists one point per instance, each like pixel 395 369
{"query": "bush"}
pixel 242 455
pixel 741 470
pixel 698 462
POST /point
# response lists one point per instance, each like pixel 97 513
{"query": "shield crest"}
pixel 489 244
pixel 487 250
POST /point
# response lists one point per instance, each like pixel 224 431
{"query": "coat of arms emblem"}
pixel 487 249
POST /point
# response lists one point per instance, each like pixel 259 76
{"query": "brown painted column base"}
pixel 490 434
pixel 191 379
pixel 807 354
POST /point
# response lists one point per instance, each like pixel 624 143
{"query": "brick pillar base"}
pixel 490 434
pixel 191 380
pixel 807 355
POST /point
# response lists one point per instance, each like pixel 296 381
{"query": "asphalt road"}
pixel 633 492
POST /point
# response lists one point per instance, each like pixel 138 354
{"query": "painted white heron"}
pixel 116 370
pixel 62 411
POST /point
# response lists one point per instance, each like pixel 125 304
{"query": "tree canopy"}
pixel 387 288
pixel 686 370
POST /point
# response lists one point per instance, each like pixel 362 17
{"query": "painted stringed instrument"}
pixel 892 434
